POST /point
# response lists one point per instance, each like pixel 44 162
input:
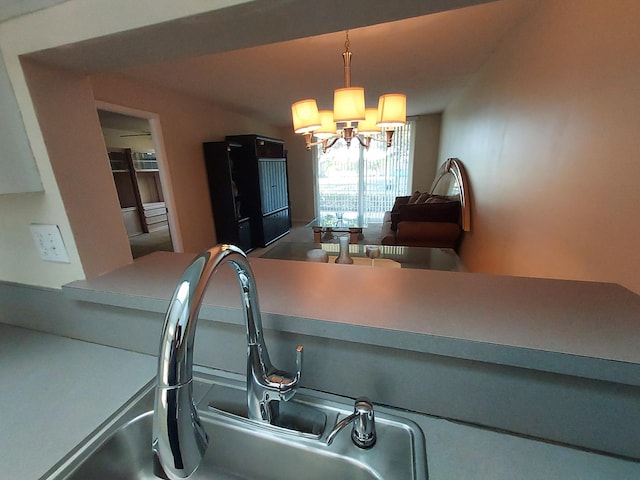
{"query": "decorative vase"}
pixel 343 256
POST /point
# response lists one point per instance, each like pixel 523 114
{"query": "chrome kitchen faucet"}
pixel 179 440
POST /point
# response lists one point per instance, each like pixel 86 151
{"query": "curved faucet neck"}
pixel 179 441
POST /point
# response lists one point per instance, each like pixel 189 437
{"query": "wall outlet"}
pixel 49 243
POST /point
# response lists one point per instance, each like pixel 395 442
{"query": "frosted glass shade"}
pixel 348 104
pixel 368 125
pixel 327 125
pixel 392 110
pixel 305 116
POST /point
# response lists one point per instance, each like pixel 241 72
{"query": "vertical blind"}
pixel 273 184
pixel 356 182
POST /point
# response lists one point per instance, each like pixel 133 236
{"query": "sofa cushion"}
pixel 429 234
pixel 439 211
pixel 388 236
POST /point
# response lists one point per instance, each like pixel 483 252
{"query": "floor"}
pixel 161 240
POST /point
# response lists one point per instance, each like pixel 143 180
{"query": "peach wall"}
pixel 425 152
pixel 66 110
pixel 548 131
pixel 186 123
pixel 301 177
pixel 71 131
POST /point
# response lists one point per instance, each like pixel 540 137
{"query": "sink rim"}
pixel 141 403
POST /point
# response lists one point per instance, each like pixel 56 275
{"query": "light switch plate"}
pixel 49 242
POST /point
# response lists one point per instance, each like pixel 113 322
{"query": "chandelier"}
pixel 349 119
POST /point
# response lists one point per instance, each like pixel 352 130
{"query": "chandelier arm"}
pixel 377 139
pixel 366 142
pixel 326 145
pixel 323 142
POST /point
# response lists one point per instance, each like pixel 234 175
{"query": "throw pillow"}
pixel 424 197
pixel 414 197
pixel 442 199
pixel 400 201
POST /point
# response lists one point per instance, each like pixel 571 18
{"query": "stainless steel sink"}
pixel 243 449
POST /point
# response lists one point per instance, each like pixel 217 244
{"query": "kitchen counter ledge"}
pixel 583 329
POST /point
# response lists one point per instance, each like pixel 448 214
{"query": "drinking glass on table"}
pixel 373 252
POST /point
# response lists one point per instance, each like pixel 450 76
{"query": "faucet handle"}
pixel 299 349
pixel 292 383
pixel 285 381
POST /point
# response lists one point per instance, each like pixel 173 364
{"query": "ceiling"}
pixel 15 8
pixel 427 57
pixel 123 125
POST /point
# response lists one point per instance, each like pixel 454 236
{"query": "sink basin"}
pixel 242 449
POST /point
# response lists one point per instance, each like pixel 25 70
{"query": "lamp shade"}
pixel 348 104
pixel 368 126
pixel 327 125
pixel 305 116
pixel 392 110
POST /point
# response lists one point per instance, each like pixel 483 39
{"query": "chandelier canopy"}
pixel 349 118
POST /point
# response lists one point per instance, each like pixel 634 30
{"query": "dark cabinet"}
pixel 249 190
pixel 226 184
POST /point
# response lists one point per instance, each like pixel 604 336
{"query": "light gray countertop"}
pixel 585 329
pixel 55 391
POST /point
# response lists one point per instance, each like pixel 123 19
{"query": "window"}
pixel 357 182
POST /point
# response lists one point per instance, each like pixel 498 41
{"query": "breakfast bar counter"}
pixel 548 359
pixel 586 329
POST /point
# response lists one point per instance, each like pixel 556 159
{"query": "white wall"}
pixel 548 131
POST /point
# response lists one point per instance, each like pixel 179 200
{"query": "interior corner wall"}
pixel 301 177
pixel 548 134
pixel 426 149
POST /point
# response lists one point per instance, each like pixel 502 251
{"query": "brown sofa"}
pixel 423 220
pixel 437 218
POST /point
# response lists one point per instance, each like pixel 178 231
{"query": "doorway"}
pixel 137 176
